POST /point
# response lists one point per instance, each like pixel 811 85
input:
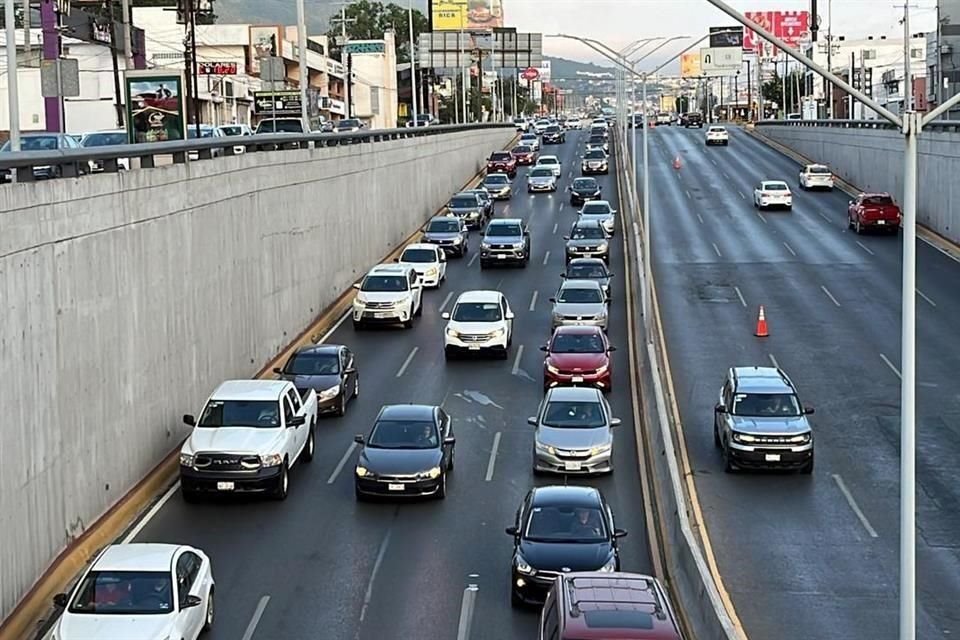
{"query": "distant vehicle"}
pixel 428 260
pixel 873 211
pixel 541 125
pixel 350 125
pixel 580 303
pixel 388 294
pixel 583 190
pixel 573 123
pixel 524 155
pixel 588 239
pixel 590 269
pixel 481 321
pixel 408 453
pixel 554 134
pixel 139 590
pixel 486 199
pixel 664 117
pixel 816 176
pixel 448 233
pixel 530 140
pixel 498 185
pixel 717 135
pixel 541 178
pixel 574 432
pixel 794 116
pixel 600 211
pixel 423 120
pixel 594 161
pixel 506 241
pixel 772 193
pixel 599 134
pixel 692 119
pixel 328 369
pixel 521 123
pixel 759 422
pixel 236 130
pixel 469 207
pixel 44 142
pixel 552 162
pixel 206 131
pixel 282 125
pixel 106 139
pixel 577 355
pixel 502 162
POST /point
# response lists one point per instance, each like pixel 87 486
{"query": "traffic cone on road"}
pixel 676 163
pixel 762 325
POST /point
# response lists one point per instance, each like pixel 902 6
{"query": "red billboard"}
pixel 790 26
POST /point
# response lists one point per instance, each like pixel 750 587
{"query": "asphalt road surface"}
pixel 320 565
pixel 809 556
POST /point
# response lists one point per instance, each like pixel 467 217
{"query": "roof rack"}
pixel 651 588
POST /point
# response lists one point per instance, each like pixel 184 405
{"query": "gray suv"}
pixel 760 423
pixel 469 208
pixel 574 432
pixel 506 241
pixel 449 233
pixel 588 239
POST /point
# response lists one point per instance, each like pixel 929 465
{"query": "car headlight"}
pixel 610 567
pixel 498 332
pixel 359 302
pixel 803 438
pixel 271 460
pixel 602 370
pixel 547 448
pixel 363 472
pixel 432 474
pixel 453 333
pixel 743 437
pixel 186 459
pixel 326 394
pixel 518 245
pixel 604 448
pixel 602 246
pixel 523 566
pixel 552 369
pixel 457 240
pixel 432 271
pixel 484 245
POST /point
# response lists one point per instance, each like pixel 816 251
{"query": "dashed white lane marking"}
pixel 829 295
pixel 790 249
pixel 516 360
pixel 445 301
pixel 865 248
pixel 854 506
pixel 406 362
pixel 700 218
pixel 368 596
pixel 741 195
pixel 342 463
pixel 467 606
pixel 255 620
pixel 740 295
pixel 689 197
pixel 891 365
pixel 762 219
pixel 533 300
pixel 555 226
pixel 473 259
pixel 927 298
pixel 493 456
pixel 717 249
pixel 546 257
pixel 154 510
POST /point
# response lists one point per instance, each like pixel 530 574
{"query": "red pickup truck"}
pixel 502 162
pixel 873 211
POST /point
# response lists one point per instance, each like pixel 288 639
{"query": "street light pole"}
pixel 304 70
pixel 413 64
pixel 907 80
pixel 13 99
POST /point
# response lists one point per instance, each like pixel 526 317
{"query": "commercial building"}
pixel 373 90
pixel 943 56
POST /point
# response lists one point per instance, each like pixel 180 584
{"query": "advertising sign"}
pixel 264 43
pixel 789 26
pixel 722 61
pixel 155 106
pixel 217 68
pixel 726 37
pixel 545 75
pixel 281 103
pixel 690 65
pixel 530 73
pixel 469 15
pixel 363 46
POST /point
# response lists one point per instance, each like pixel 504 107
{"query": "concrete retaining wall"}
pixel 126 298
pixel 872 159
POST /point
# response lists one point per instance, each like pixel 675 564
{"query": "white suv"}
pixel 428 260
pixel 550 162
pixel 389 293
pixel 480 321
pixel 717 135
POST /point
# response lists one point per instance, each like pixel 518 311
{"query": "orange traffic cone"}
pixel 676 163
pixel 762 325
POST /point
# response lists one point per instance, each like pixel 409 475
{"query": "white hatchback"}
pixel 480 321
pixel 140 591
pixel 718 135
pixel 428 260
pixel 552 163
pixel 816 176
pixel 772 193
pixel 530 140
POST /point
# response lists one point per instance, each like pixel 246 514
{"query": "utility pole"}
pixel 127 35
pixel 27 53
pixel 117 95
pixel 413 65
pixel 938 76
pixel 853 66
pixel 829 58
pixel 302 61
pixel 13 100
pixel 343 40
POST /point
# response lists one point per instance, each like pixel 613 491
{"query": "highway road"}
pixel 808 556
pixel 322 565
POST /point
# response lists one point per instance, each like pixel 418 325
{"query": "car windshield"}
pixel 232 130
pixel 477 312
pixel 595 139
pixel 384 283
pixel 596 208
pixel 504 230
pixel 498 180
pixel 820 170
pixel 548 160
pixel 775 186
pixel 263 414
pixel 205 132
pixel 542 172
pixel 553 129
pixel 580 295
pixel 565 524
pixel 348 124
pixel 443 226
pixel 481 193
pixel 522 149
pixel 124 593
pixel 586 271
pixel 585 185
pixel 573 415
pixel 587 233
pixel 717 130
pixel 104 139
pixel 314 364
pixel 34 143
pixel 766 405
pixel 404 434
pixel 462 202
pixel 280 126
pixel 878 200
pixel 419 255
pixel 500 156
pixel 595 154
pixel 577 343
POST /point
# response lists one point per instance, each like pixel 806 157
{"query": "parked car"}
pixel 448 233
pixel 816 176
pixel 44 142
pixel 873 211
pixel 112 138
pixel 237 130
pixel 204 131
pixel 329 369
pixel 577 355
pixel 282 125
pixel 574 432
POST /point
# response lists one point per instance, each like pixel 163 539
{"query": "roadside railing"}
pixel 31 166
pixel 941 125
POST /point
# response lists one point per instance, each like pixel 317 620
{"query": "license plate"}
pixel 772 457
pixel 225 486
pixel 474 347
pixel 381 314
pixel 395 487
pixel 571 466
pixel 577 379
pixel 501 257
pixel 881 222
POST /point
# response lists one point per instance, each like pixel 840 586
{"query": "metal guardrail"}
pixel 940 125
pixel 72 163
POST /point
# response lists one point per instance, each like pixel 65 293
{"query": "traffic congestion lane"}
pixel 818 534
pixel 322 561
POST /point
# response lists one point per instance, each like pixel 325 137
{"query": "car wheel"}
pixel 450 462
pixel 342 408
pixel 523 265
pixel 502 355
pixel 408 324
pixel 807 469
pixel 483 264
pixel 310 447
pixel 209 616
pixel 419 311
pixel 789 207
pixel 282 489
pixel 728 466
pixel 858 227
pixel 442 489
pixel 515 600
pixel 716 437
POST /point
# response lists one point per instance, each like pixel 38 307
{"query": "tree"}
pixel 367 20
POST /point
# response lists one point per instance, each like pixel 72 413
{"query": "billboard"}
pixel 726 37
pixel 156 108
pixel 690 65
pixel 793 27
pixel 265 42
pixel 469 15
pixel 545 74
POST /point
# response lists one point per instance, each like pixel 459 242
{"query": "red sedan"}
pixel 577 355
pixel 873 211
pixel 502 162
pixel 524 155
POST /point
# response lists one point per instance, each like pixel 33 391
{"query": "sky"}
pixel 617 23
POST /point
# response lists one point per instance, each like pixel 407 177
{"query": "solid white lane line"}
pixel 773 360
pixel 493 456
pixel 546 257
pixel 406 362
pixel 740 295
pixel 824 216
pixel 467 606
pixel 555 226
pixel 255 620
pixel 368 596
pixel 790 249
pixel 717 249
pixel 342 463
pixel 829 295
pixel 336 326
pixel 473 259
pixel 854 506
pixel 890 364
pixel 865 248
pixel 533 300
pixel 150 514
pixel 714 162
pixel 762 219
pixel 516 360
pixel 927 298
pixel 445 301
pixel 689 197
pixel 741 195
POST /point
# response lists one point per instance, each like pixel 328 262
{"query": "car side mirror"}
pixel 191 601
pixel 615 422
pixel 619 533
pixel 297 421
pixel 445 315
pixel 60 600
pixel 808 411
pixel 566 237
pixel 278 371
pixel 545 348
pixel 189 420
pixel 358 438
pixel 553 299
pixel 609 274
pixel 512 531
pixel 720 409
pixel 396 259
pixel 356 285
pixel 611 348
pixel 450 440
pixel 350 371
pixel 563 275
pixel 532 420
pixel 510 315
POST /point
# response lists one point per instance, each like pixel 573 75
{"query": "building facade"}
pixel 943 56
pixel 373 90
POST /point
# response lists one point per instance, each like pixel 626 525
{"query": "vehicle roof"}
pixel 502 221
pixel 479 295
pixel 320 348
pixel 585 179
pixel 625 605
pixel 139 556
pixel 867 194
pixel 421 245
pixel 594 203
pixel 576 330
pixel 434 218
pixel 389 270
pixel 586 223
pixel 463 193
pixel 406 412
pixel 761 380
pixel 566 495
pixel 90 133
pixel 715 128
pixel 763 182
pixel 250 390
pixel 498 175
pixel 588 261
pixel 816 165
pixel 585 283
pixel 542 158
pixel 573 394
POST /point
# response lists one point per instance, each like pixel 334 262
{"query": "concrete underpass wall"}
pixel 126 298
pixel 872 159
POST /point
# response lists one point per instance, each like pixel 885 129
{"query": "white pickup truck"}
pixel 248 437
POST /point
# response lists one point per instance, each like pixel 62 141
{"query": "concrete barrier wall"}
pixel 126 298
pixel 872 159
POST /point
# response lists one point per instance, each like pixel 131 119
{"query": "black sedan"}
pixel 408 453
pixel 328 369
pixel 584 189
pixel 560 529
